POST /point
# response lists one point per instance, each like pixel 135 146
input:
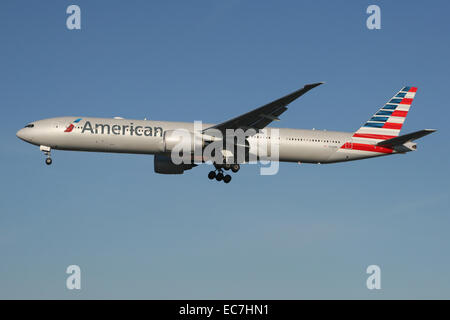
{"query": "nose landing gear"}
pixel 46 150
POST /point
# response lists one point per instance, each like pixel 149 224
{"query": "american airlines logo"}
pixel 72 125
pixel 116 129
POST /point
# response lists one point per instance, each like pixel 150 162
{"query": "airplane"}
pixel 379 136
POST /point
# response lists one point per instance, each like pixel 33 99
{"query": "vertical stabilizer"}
pixel 388 121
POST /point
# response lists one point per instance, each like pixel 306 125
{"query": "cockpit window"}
pixel 29 125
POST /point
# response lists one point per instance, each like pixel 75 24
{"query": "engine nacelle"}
pixel 164 165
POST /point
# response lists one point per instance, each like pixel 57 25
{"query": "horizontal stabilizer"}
pixel 405 138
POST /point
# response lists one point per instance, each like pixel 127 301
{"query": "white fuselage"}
pixel 146 137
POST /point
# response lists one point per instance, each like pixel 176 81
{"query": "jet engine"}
pixel 164 165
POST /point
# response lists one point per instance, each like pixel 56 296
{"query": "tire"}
pixel 48 161
pixel 227 178
pixel 219 176
pixel 235 167
pixel 211 175
pixel 227 166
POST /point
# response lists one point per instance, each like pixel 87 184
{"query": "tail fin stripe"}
pixel 374 124
pixel 393 125
pixel 384 113
pixel 406 101
pixel 409 89
pixel 403 107
pixel 397 119
pixel 373 136
pixel 399 113
pixel 380 119
pixel 375 130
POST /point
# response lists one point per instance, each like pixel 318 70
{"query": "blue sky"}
pixel 308 232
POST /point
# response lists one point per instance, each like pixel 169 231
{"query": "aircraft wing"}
pixel 405 138
pixel 263 116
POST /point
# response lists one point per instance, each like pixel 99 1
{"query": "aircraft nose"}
pixel 23 134
pixel 20 134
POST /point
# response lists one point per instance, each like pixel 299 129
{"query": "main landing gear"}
pixel 47 150
pixel 218 173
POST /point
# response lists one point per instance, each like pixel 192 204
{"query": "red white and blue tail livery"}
pixel 388 121
pixel 385 125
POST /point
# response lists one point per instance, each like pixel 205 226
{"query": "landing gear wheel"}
pixel 227 178
pixel 235 167
pixel 219 176
pixel 211 175
pixel 46 150
pixel 227 166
